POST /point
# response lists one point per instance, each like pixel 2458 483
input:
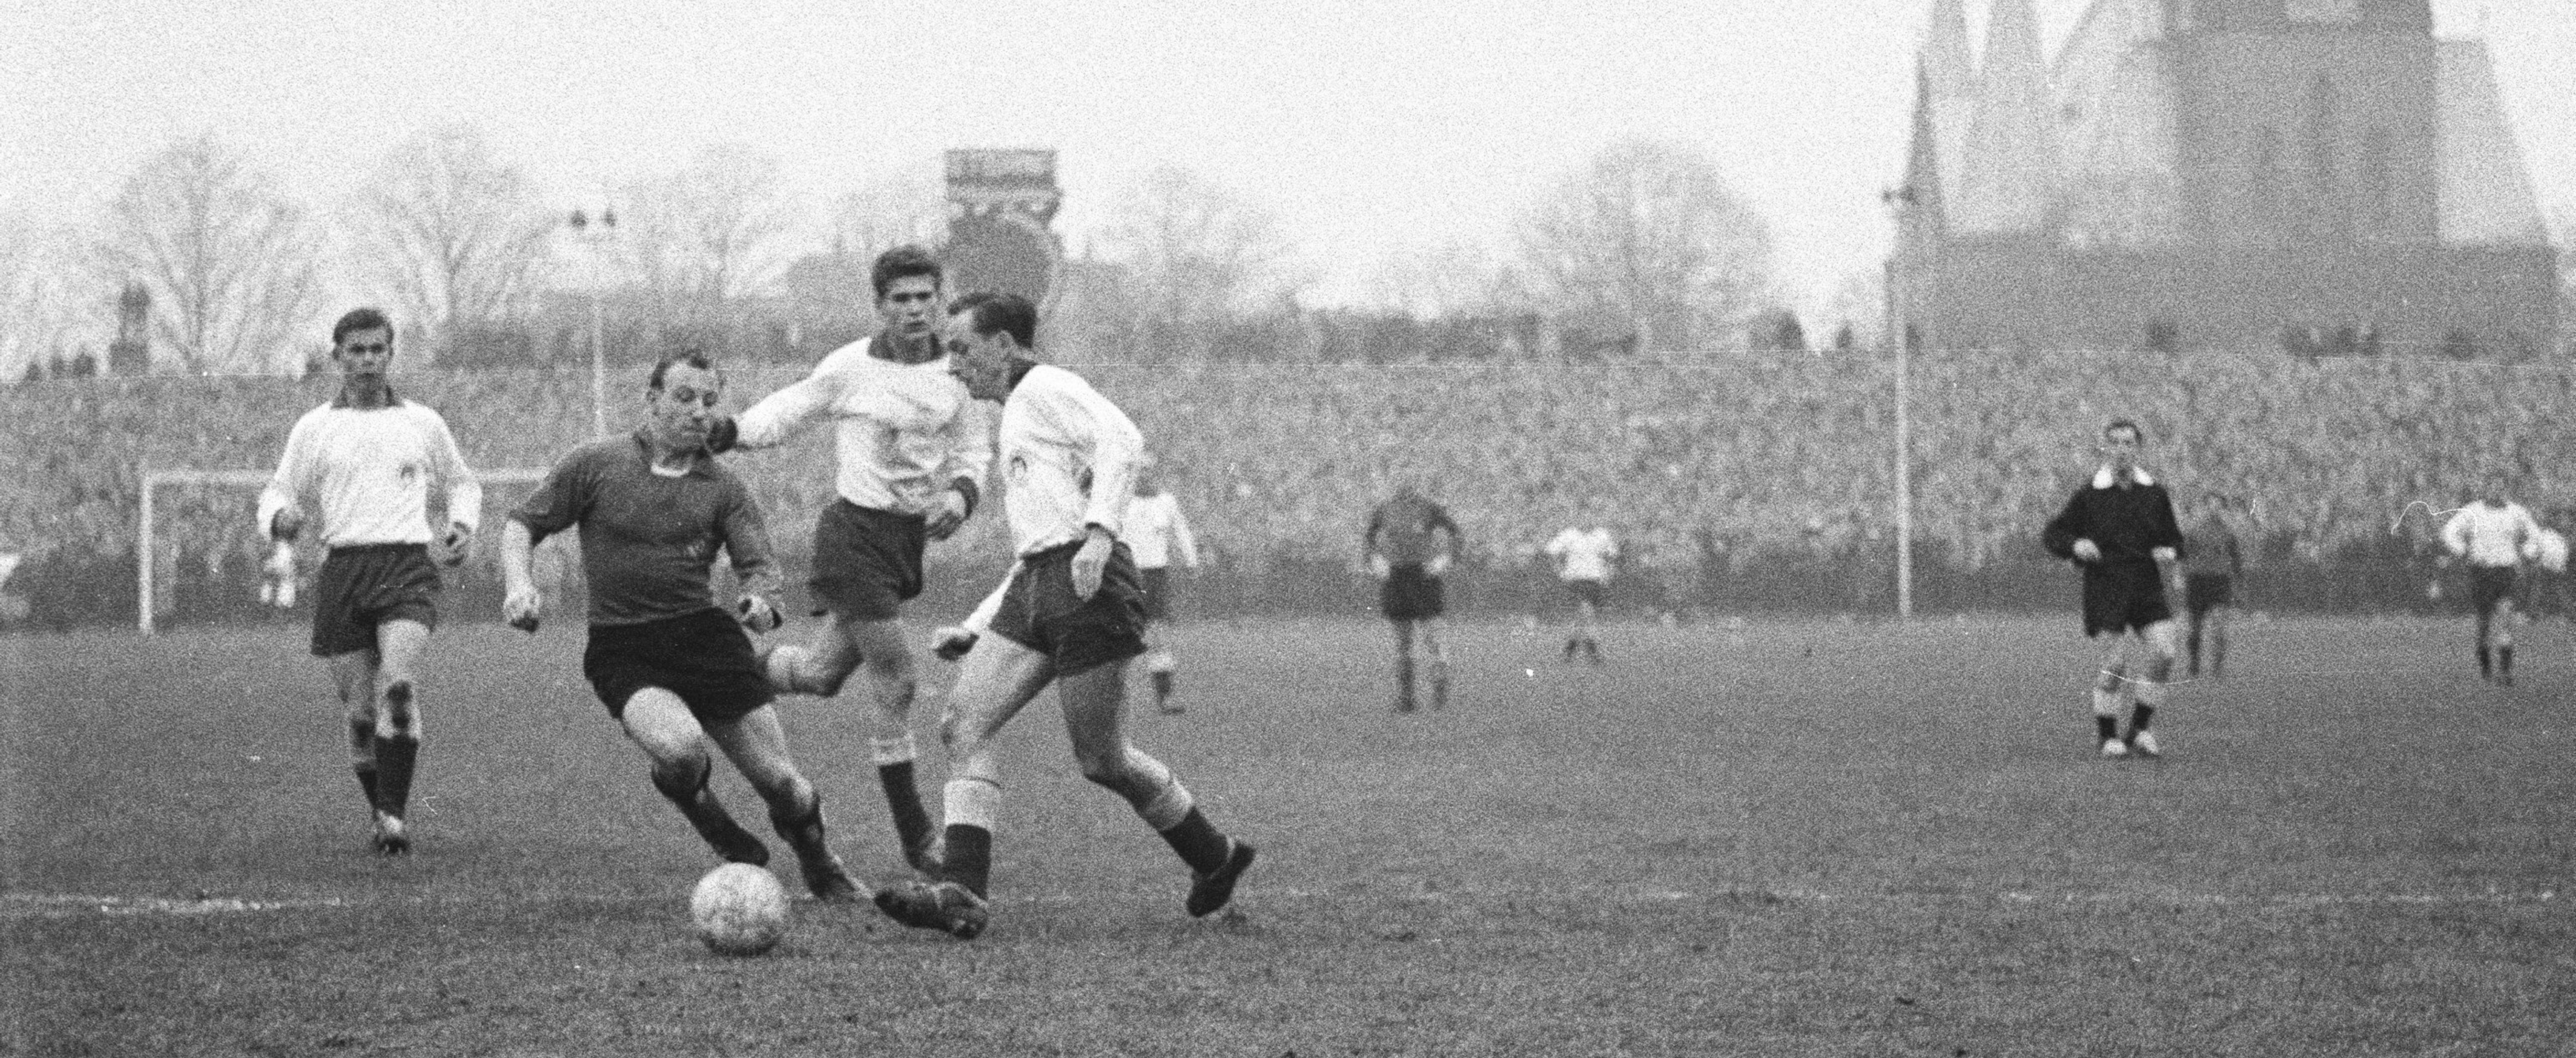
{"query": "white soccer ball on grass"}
pixel 739 909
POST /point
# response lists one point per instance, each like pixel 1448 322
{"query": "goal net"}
pixel 201 557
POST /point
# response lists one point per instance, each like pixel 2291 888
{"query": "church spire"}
pixel 2009 181
pixel 1944 67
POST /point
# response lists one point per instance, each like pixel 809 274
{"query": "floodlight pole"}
pixel 595 238
pixel 1900 335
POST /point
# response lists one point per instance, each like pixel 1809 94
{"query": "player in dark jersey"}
pixel 1409 546
pixel 2213 564
pixel 2119 529
pixel 675 669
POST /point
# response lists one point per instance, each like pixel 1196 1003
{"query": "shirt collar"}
pixel 392 399
pixel 2103 478
pixel 1019 370
pixel 699 463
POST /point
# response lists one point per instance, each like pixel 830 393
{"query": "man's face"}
pixel 685 405
pixel 2120 449
pixel 910 307
pixel 364 353
pixel 982 362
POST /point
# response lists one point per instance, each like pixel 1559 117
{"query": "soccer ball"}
pixel 739 909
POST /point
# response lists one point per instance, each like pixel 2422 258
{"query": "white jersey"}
pixel 2549 548
pixel 2490 535
pixel 368 471
pixel 905 432
pixel 1583 554
pixel 1069 460
pixel 1157 532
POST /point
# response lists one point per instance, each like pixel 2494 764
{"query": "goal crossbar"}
pixel 145 540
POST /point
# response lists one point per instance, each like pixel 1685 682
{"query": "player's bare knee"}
pixel 680 775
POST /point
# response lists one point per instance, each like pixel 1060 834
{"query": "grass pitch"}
pixel 1793 839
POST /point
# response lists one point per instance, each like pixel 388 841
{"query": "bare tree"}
pixel 1195 252
pixel 708 234
pixel 456 232
pixel 1451 279
pixel 1650 233
pixel 228 260
pixel 888 210
pixel 35 307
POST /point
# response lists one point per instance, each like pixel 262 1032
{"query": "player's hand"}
pixel 520 609
pixel 758 614
pixel 281 561
pixel 287 524
pixel 950 515
pixel 1090 563
pixel 1438 565
pixel 456 545
pixel 1378 568
pixel 2085 551
pixel 2164 554
pixel 951 642
pixel 722 434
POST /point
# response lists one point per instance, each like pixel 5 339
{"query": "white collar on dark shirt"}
pixel 2103 478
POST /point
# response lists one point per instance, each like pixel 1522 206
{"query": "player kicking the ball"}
pixel 365 462
pixel 672 666
pixel 1070 613
pixel 2120 531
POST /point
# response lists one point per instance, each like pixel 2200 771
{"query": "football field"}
pixel 1799 838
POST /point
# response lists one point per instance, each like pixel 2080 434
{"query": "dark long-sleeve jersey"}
pixel 2128 521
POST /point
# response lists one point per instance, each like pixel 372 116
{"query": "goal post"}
pixel 146 533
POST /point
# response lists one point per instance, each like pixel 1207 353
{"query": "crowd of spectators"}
pixel 1707 463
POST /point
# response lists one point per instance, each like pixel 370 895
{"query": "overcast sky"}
pixel 1367 127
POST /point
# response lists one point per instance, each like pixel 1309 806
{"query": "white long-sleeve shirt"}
pixel 1158 533
pixel 1583 554
pixel 2490 535
pixel 904 432
pixel 1069 460
pixel 367 475
pixel 2549 549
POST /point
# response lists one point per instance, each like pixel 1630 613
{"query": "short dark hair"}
pixel 1009 314
pixel 905 260
pixel 361 319
pixel 696 358
pixel 2130 425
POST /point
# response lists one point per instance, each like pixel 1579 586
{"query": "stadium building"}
pixel 2319 175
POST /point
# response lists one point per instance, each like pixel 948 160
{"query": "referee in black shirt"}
pixel 2120 530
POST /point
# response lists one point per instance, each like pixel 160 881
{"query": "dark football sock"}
pixel 2109 726
pixel 903 800
pixel 1162 686
pixel 366 781
pixel 2138 717
pixel 970 857
pixel 395 758
pixel 2486 665
pixel 1198 842
pixel 2504 660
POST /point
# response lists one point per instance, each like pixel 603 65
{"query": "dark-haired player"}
pixel 2119 529
pixel 364 464
pixel 1408 547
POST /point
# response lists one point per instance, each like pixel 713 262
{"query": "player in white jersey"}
pixel 1070 613
pixel 362 466
pixel 912 453
pixel 1158 533
pixel 2490 536
pixel 1584 554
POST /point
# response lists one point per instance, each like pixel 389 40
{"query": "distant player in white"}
pixel 2490 536
pixel 1584 555
pixel 912 452
pixel 364 464
pixel 1158 533
pixel 1071 613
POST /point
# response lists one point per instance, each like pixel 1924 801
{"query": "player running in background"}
pixel 912 454
pixel 674 668
pixel 1070 613
pixel 362 466
pixel 1409 545
pixel 2212 564
pixel 1584 555
pixel 1158 534
pixel 2490 535
pixel 2119 529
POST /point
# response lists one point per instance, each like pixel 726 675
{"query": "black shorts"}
pixel 367 585
pixel 2121 598
pixel 1040 611
pixel 703 657
pixel 1587 591
pixel 867 563
pixel 1410 594
pixel 1157 581
pixel 2489 585
pixel 2203 592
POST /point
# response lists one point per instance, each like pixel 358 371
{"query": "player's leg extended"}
pixel 2219 618
pixel 2199 617
pixel 890 675
pixel 817 668
pixel 2486 659
pixel 2148 692
pixel 401 644
pixel 2503 639
pixel 1588 615
pixel 757 745
pixel 662 726
pixel 996 681
pixel 2110 693
pixel 1094 703
pixel 1160 666
pixel 1438 665
pixel 1403 665
pixel 354 675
